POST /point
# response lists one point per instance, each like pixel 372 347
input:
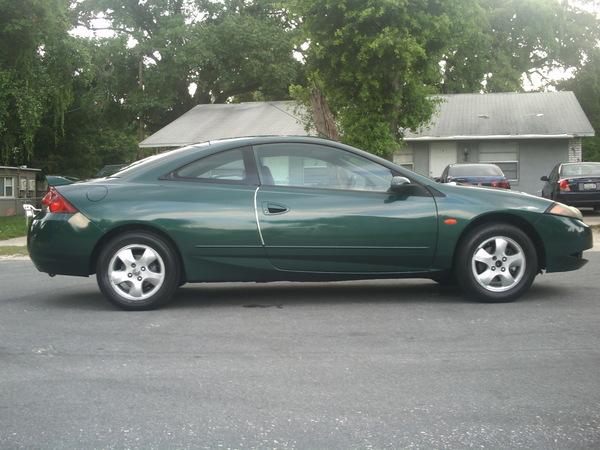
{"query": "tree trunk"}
pixel 324 121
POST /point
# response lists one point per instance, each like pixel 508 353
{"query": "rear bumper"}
pixel 584 199
pixel 62 243
pixel 565 239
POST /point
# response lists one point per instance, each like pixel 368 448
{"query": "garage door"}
pixel 504 154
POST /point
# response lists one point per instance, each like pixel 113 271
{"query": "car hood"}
pixel 495 198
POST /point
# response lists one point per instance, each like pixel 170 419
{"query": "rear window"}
pixel 475 170
pixel 576 170
pixel 151 159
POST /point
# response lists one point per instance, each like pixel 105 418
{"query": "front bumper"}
pixel 62 243
pixel 565 239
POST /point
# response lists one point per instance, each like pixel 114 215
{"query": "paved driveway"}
pixel 400 364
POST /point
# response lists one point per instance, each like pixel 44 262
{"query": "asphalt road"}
pixel 402 364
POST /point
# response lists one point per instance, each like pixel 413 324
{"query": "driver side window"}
pixel 319 166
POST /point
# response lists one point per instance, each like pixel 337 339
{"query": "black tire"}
pixel 465 267
pixel 168 269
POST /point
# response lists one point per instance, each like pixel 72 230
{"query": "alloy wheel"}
pixel 498 264
pixel 136 272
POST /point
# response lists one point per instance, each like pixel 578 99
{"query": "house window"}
pixel 510 169
pixel 405 158
pixel 6 187
pixel 504 154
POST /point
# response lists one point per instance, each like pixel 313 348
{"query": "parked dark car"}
pixel 299 209
pixel 478 174
pixel 576 184
pixel 60 180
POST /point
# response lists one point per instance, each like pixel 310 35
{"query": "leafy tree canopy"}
pixel 71 103
pixel 38 59
pixel 378 61
pixel 586 85
pixel 514 39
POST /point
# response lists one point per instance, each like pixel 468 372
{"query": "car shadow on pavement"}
pixel 85 301
pixel 279 295
pixel 282 294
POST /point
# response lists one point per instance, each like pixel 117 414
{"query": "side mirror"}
pixel 437 179
pixel 398 182
pixel 544 178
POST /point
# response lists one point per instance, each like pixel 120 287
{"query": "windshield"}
pixel 475 170
pixel 577 170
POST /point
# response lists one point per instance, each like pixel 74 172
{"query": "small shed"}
pixel 525 134
pixel 17 186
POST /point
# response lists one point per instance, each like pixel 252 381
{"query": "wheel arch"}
pixel 134 227
pixel 512 219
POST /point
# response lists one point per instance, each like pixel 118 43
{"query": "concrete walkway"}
pixel 15 242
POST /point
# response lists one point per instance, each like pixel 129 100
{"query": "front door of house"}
pixel 440 155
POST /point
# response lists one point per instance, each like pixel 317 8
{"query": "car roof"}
pixel 151 166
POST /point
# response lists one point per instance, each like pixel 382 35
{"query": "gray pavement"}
pixel 378 364
pixel 591 217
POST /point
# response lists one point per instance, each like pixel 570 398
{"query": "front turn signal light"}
pixel 559 209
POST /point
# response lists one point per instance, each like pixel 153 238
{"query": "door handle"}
pixel 270 208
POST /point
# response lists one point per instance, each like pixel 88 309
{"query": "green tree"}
pixel 586 85
pixel 512 39
pixel 37 70
pixel 99 128
pixel 229 50
pixel 378 61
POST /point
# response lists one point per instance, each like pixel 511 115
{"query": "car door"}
pixel 548 190
pixel 209 210
pixel 325 209
pixel 444 177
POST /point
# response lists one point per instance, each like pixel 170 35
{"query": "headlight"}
pixel 559 209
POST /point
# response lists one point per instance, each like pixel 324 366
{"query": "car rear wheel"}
pixel 496 263
pixel 138 270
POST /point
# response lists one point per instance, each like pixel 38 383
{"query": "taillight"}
pixel 56 203
pixel 564 185
pixel 501 184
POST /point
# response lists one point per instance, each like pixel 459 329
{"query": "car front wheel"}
pixel 496 263
pixel 138 270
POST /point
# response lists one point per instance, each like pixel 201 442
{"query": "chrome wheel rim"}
pixel 136 272
pixel 498 264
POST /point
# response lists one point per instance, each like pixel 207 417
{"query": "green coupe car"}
pixel 296 209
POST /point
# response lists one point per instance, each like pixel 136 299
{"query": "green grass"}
pixel 13 250
pixel 12 227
